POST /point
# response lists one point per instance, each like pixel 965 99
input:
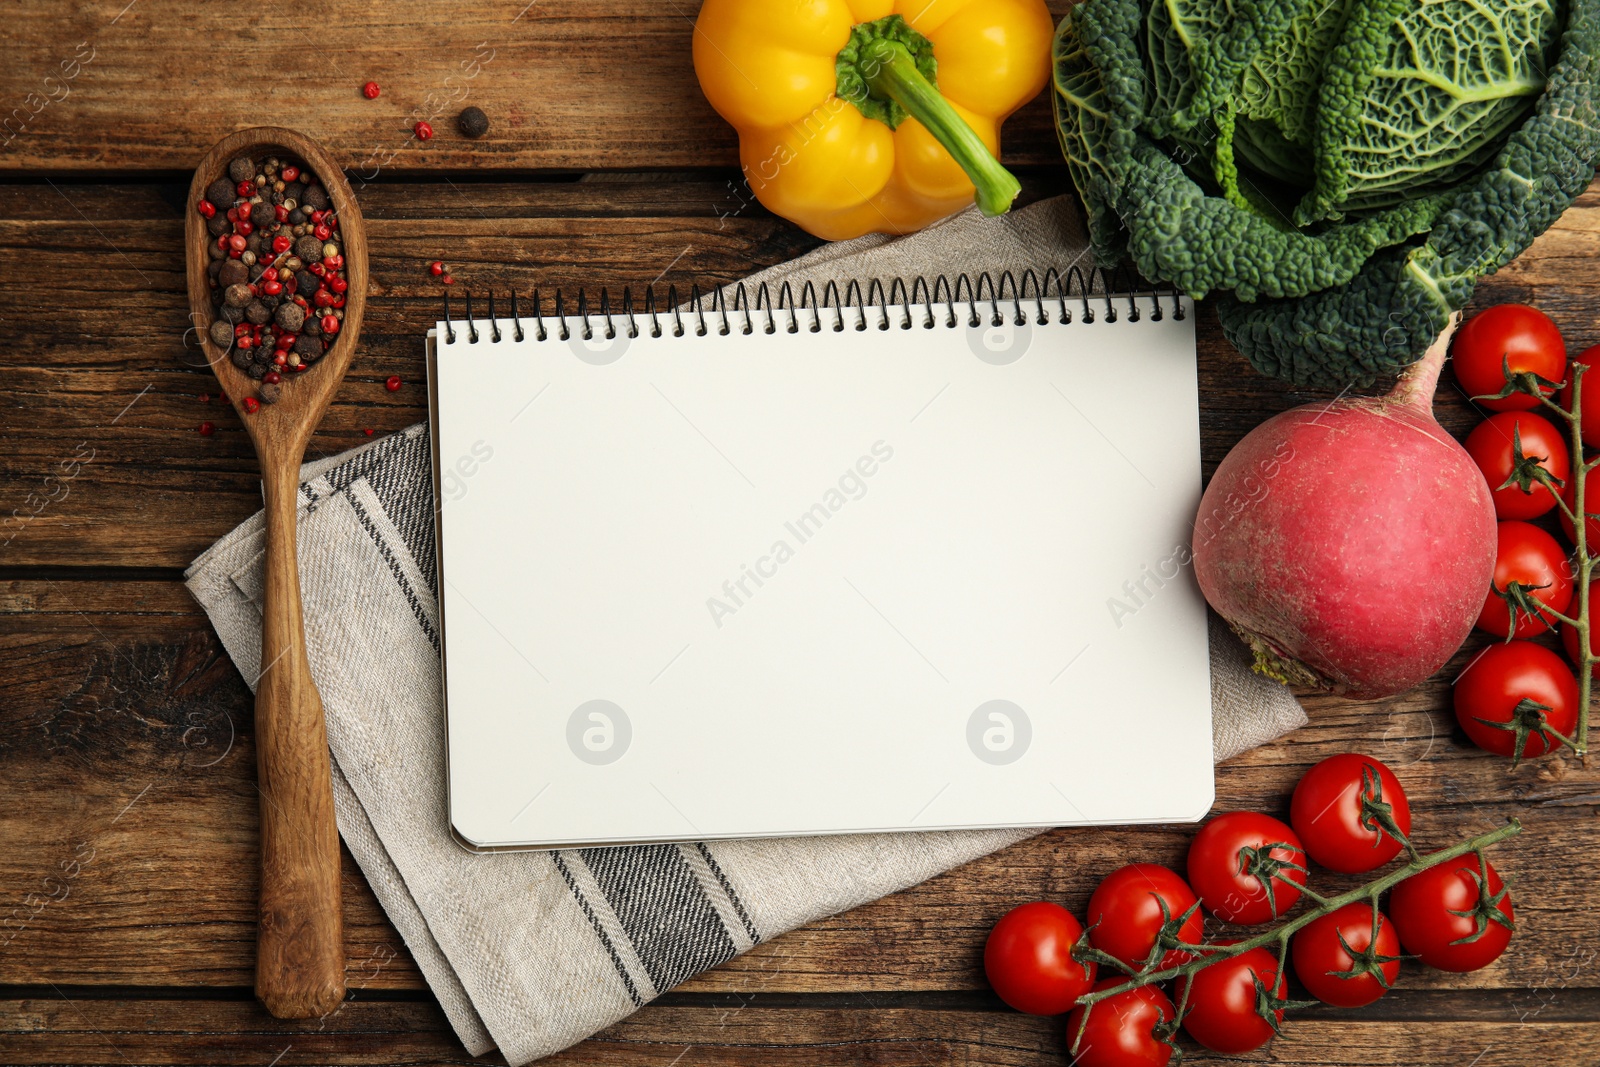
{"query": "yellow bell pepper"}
pixel 872 116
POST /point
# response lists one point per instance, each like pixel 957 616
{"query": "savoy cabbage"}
pixel 1341 171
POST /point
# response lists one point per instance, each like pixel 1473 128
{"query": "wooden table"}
pixel 127 773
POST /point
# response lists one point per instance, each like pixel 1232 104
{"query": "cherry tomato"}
pixel 1535 561
pixel 1028 959
pixel 1493 445
pixel 1121 1030
pixel 1591 504
pixel 1222 1013
pixel 1523 687
pixel 1125 915
pixel 1427 910
pixel 1590 415
pixel 1513 334
pixel 1321 955
pixel 1340 808
pixel 1221 858
pixel 1569 636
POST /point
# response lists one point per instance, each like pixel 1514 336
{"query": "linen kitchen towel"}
pixel 534 951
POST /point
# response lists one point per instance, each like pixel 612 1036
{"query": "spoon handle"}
pixel 300 940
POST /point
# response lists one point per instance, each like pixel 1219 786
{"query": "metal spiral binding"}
pixel 864 309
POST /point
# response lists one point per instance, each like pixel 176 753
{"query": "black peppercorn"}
pixel 263 215
pixel 308 348
pixel 306 283
pixel 221 195
pixel 472 122
pixel 256 370
pixel 231 314
pixel 256 312
pixel 214 252
pixel 233 273
pixel 241 358
pixel 213 269
pixel 218 224
pixel 290 317
pixel 315 198
pixel 309 249
pixel 238 295
pixel 221 334
pixel 242 169
pixel 269 392
pixel 294 191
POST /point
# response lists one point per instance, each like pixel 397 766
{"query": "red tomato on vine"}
pixel 1517 699
pixel 1247 867
pixel 1510 449
pixel 1351 812
pixel 1347 958
pixel 1234 1005
pixel 1530 569
pixel 1137 905
pixel 1455 916
pixel 1517 336
pixel 1028 959
pixel 1130 1029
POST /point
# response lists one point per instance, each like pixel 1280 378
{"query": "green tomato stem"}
pixel 889 70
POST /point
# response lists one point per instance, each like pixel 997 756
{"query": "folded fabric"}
pixel 532 952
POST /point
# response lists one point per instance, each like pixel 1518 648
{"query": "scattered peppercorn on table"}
pixel 127 769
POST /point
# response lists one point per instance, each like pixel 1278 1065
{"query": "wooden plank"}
pixel 98 415
pixel 50 1029
pixel 566 84
pixel 128 731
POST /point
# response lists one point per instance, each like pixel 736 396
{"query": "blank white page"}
pixel 820 582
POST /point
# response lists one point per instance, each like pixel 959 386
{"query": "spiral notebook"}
pixel 911 558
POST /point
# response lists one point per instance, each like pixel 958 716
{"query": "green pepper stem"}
pixel 889 70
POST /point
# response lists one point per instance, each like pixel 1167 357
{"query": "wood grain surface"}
pixel 128 789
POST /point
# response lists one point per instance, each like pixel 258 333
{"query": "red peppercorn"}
pixel 206 208
pixel 317 268
pixel 393 384
pixel 222 241
pixel 246 188
pixel 321 298
pixel 241 330
pixel 368 431
pixel 334 262
pixel 329 324
pixel 272 288
pixel 436 268
pixel 280 359
pixel 272 377
pixel 338 285
pixel 371 90
pixel 338 302
pixel 280 245
pixel 207 429
pixel 251 405
pixel 423 131
pixel 237 242
pixel 289 173
pixel 317 217
pixel 323 231
pixel 233 214
pixel 245 228
pixel 281 212
pixel 286 341
pixel 448 280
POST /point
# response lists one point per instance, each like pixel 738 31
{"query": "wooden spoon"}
pixel 300 939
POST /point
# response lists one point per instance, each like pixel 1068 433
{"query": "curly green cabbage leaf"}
pixel 1427 142
pixel 1421 94
pixel 1385 317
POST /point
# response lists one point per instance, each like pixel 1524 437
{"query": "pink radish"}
pixel 1351 543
